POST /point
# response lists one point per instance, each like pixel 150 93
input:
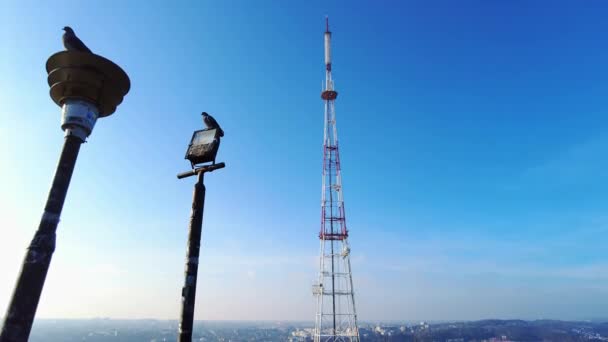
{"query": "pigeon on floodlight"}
pixel 210 123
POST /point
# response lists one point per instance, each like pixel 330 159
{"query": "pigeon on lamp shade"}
pixel 73 43
pixel 210 122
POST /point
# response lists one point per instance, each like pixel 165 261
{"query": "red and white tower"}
pixel 336 317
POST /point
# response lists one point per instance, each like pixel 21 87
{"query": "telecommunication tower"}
pixel 336 317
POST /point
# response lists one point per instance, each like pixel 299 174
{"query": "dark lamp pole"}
pixel 203 148
pixel 86 87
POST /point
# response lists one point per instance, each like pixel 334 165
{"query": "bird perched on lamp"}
pixel 72 43
pixel 210 123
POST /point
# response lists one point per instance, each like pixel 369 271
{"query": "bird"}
pixel 210 122
pixel 72 43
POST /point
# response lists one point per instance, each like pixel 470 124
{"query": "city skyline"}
pixel 472 138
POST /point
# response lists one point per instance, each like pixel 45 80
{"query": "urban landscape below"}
pixel 100 330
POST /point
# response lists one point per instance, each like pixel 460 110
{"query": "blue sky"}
pixel 473 136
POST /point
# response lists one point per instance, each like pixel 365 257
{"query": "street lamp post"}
pixel 203 148
pixel 86 87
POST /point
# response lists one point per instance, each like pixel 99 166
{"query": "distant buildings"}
pixel 479 331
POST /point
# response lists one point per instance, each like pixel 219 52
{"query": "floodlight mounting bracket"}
pixel 203 169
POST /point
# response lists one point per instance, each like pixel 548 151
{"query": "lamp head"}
pixel 203 147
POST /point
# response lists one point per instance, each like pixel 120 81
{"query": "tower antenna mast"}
pixel 336 316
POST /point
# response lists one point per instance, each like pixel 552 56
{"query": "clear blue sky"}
pixel 473 137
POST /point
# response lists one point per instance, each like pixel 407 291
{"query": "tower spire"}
pixel 336 317
pixel 327 37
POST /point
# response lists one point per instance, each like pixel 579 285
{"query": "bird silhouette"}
pixel 210 122
pixel 73 43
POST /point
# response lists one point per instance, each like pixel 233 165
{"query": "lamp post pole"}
pixel 192 254
pixel 193 251
pixel 74 78
pixel 22 308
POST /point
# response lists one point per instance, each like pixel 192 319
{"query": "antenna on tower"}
pixel 327 39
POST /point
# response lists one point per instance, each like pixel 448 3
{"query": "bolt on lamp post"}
pixel 202 149
pixel 86 87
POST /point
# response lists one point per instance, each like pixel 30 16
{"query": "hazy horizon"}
pixel 365 322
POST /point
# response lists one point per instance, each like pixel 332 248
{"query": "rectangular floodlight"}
pixel 203 147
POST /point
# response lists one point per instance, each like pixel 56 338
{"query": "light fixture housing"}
pixel 203 147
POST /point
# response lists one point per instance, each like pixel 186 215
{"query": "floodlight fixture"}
pixel 203 147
